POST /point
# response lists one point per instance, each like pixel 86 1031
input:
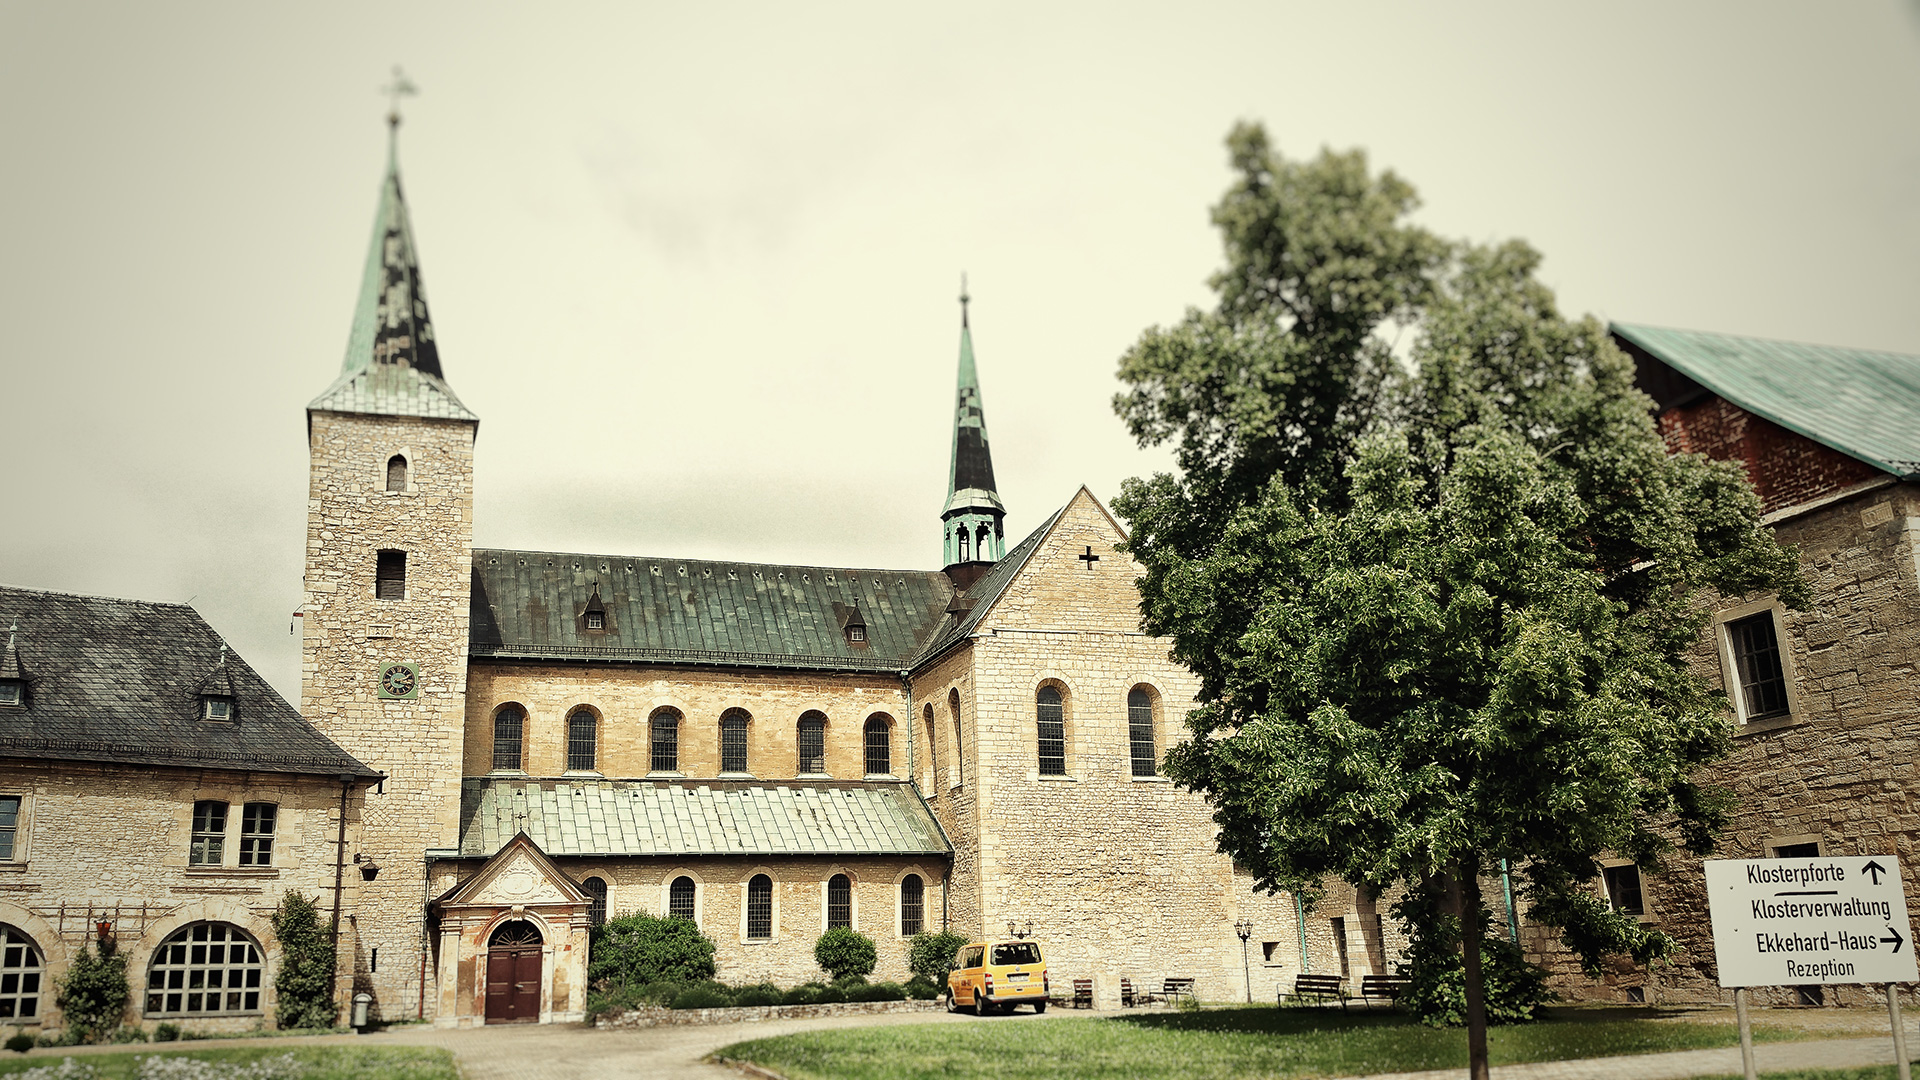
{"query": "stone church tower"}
pixel 388 567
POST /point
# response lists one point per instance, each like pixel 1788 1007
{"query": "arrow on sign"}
pixel 1873 870
pixel 1896 939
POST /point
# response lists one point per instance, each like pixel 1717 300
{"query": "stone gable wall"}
pixel 111 842
pixel 348 634
pixel 1840 770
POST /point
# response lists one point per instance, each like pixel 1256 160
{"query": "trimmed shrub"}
pixel 804 994
pixel 93 993
pixel 305 979
pixel 930 954
pixel 635 950
pixel 882 991
pixel 843 951
pixel 166 1033
pixel 129 1033
pixel 20 1043
pixel 703 995
pixel 761 994
pixel 829 995
pixel 920 988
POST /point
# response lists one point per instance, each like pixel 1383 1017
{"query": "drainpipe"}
pixel 913 762
pixel 1300 919
pixel 339 877
pixel 1513 921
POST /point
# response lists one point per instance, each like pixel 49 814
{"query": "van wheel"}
pixel 980 1006
pixel 1039 1007
pixel 952 1005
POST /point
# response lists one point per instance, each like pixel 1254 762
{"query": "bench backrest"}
pixel 1318 982
pixel 1082 984
pixel 1177 986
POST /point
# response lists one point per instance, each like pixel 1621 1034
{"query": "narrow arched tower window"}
pixel 583 731
pixel 1140 731
pixel 1052 732
pixel 509 727
pixel 839 901
pixel 733 741
pixel 961 535
pixel 813 743
pixel 879 738
pixel 390 575
pixel 760 907
pixel 665 736
pixel 680 897
pixel 596 890
pixel 396 473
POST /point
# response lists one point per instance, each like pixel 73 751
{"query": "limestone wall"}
pixel 110 842
pixel 1839 771
pixel 349 635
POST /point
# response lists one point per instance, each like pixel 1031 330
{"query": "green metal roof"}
pixel 617 817
pixel 971 472
pixel 529 605
pixel 1863 403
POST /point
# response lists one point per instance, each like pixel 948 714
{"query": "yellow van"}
pixel 995 976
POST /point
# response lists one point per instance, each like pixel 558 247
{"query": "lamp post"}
pixel 1244 928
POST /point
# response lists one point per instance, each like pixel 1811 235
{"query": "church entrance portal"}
pixel 513 974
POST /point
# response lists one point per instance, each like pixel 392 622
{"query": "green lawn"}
pixel 312 1062
pixel 1215 1045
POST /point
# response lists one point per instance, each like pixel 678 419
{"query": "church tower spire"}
pixel 973 524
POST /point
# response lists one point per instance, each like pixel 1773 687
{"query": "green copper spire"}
pixel 392 366
pixel 971 524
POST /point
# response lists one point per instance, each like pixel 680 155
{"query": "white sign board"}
pixel 1789 922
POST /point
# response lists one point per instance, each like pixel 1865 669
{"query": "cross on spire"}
pixel 400 87
pixel 963 299
pixel 1089 558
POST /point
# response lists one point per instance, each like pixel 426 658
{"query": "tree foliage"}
pixel 304 983
pixel 843 952
pixel 93 993
pixel 639 950
pixel 930 954
pixel 1441 611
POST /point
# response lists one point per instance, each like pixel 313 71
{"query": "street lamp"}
pixel 1244 928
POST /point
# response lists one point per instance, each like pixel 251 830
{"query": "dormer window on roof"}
pixel 856 633
pixel 216 707
pixel 596 620
pixel 593 617
pixel 13 691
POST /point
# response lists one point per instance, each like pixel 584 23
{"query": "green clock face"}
pixel 399 681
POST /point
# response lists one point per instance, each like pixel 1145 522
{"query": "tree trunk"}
pixel 1466 896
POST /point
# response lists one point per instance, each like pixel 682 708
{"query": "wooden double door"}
pixel 514 960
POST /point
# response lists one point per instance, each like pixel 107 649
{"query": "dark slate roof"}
pixel 955 626
pixel 528 605
pixel 119 681
pixel 972 461
pixel 1862 403
pixel 696 817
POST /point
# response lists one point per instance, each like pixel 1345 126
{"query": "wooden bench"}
pixel 1083 993
pixel 1126 994
pixel 1316 986
pixel 1386 988
pixel 1171 991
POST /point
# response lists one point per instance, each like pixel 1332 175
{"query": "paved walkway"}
pixel 570 1052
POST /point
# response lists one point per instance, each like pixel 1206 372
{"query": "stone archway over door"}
pixel 514 959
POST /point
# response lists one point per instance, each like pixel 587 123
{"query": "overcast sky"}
pixel 695 265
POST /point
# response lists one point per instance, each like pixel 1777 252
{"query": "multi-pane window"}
pixel 733 741
pixel 583 731
pixel 760 907
pixel 207 969
pixel 1140 731
pixel 209 844
pixel 680 897
pixel 390 576
pixel 9 825
pixel 596 890
pixel 1052 731
pixel 1756 656
pixel 216 707
pixel 665 738
pixel 256 834
pixel 1623 889
pixel 20 971
pixel 839 901
pixel 813 743
pixel 509 734
pixel 396 473
pixel 879 737
pixel 12 691
pixel 913 905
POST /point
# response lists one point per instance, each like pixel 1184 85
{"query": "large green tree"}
pixel 1440 610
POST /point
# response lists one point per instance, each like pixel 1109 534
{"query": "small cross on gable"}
pixel 1089 558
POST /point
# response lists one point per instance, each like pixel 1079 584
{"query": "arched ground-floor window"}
pixel 20 971
pixel 205 969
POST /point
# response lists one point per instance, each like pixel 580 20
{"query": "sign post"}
pixel 1795 922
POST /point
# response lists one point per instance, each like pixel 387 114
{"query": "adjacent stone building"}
pixel 1823 700
pixel 155 791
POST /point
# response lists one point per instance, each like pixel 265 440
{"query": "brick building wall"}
pixel 111 842
pixel 349 634
pixel 1786 468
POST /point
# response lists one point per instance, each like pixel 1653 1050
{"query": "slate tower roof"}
pixel 972 462
pixel 392 366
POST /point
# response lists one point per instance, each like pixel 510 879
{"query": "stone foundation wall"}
pixel 653 1017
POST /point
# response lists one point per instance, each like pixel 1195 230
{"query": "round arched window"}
pixel 206 969
pixel 20 969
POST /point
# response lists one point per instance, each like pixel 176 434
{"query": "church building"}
pixel 769 750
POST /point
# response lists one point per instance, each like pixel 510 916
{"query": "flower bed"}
pixel 650 1016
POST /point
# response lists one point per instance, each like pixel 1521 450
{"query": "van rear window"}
pixel 1016 952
